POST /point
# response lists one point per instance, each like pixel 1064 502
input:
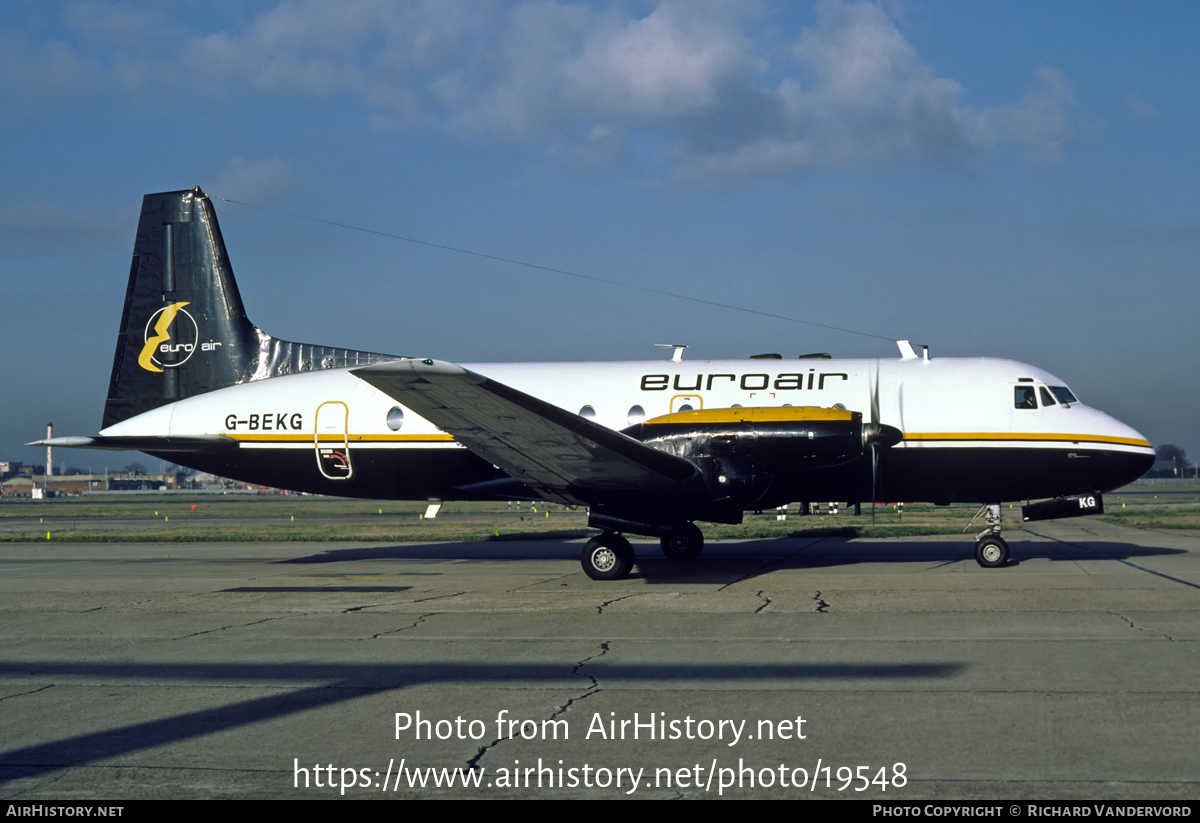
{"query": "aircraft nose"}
pixel 1129 453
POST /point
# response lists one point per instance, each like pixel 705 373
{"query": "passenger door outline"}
pixel 331 440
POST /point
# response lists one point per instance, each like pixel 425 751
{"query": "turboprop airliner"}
pixel 648 448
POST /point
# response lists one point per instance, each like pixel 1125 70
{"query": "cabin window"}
pixel 636 415
pixel 1063 394
pixel 1024 397
pixel 395 418
pixel 1047 400
pixel 588 412
pixel 685 407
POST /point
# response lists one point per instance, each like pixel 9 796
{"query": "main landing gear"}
pixel 607 557
pixel 685 543
pixel 991 551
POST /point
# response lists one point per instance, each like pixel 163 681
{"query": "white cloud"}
pixel 670 63
pixel 703 83
pixel 1041 121
pixel 863 96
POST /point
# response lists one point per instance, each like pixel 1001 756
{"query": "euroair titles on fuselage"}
pixel 619 394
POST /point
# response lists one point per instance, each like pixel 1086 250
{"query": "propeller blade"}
pixel 875 397
pixel 874 476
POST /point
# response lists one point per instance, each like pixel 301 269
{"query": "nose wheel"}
pixel 607 557
pixel 991 550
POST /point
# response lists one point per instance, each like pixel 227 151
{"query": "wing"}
pixel 553 451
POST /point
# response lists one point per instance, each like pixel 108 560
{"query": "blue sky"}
pixel 1011 180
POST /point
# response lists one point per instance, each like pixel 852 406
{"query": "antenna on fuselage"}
pixel 677 356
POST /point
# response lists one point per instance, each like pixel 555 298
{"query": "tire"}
pixel 685 544
pixel 607 557
pixel 991 552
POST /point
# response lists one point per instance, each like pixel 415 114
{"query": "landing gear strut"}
pixel 685 543
pixel 991 551
pixel 607 557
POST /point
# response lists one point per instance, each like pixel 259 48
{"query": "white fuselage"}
pixel 963 406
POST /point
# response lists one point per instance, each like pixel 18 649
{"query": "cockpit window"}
pixel 1063 394
pixel 1047 400
pixel 1024 398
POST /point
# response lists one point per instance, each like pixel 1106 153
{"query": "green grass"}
pixel 272 518
pixel 1154 517
pixel 241 505
pixel 170 519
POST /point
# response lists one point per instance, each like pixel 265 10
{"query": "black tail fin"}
pixel 184 331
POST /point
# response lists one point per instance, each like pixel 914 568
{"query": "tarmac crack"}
pixel 437 597
pixel 822 606
pixel 1133 625
pixel 766 601
pixel 415 623
pixel 40 786
pixel 224 628
pixel 394 602
pixel 584 662
pixel 600 608
pixel 24 694
pixel 592 689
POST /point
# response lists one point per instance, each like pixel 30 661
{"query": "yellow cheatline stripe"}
pixel 1073 438
pixel 758 414
pixel 341 438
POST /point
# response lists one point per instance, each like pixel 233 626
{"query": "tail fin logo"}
pixel 160 352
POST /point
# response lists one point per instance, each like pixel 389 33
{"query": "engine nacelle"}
pixel 771 437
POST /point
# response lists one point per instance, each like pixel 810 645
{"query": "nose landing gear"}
pixel 991 550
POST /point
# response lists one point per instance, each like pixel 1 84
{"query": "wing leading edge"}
pixel 559 454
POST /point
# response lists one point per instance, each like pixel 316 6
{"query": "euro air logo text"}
pixel 793 381
pixel 164 351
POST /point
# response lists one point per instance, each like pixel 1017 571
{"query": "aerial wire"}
pixel 553 270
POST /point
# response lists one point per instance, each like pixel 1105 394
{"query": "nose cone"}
pixel 1128 454
pixel 1128 468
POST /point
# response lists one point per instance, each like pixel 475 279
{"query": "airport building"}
pixel 37 485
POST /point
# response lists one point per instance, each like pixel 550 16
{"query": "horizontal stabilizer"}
pixel 556 452
pixel 204 444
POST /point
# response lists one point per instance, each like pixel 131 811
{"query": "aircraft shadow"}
pixel 753 558
pixel 836 553
pixel 351 682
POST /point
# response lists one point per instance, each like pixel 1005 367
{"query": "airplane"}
pixel 648 448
